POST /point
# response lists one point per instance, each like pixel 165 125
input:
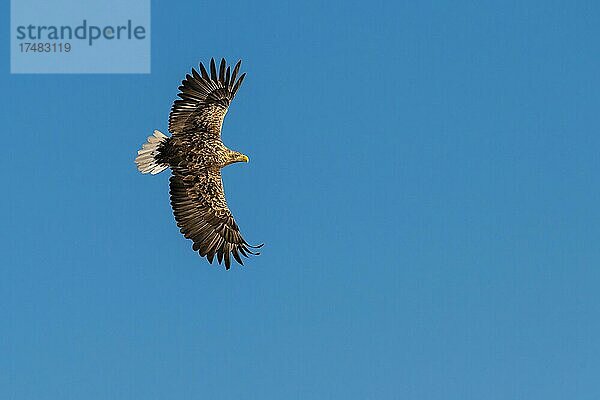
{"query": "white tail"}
pixel 146 159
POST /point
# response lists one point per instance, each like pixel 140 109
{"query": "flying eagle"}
pixel 196 154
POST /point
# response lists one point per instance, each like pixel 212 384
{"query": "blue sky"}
pixel 424 176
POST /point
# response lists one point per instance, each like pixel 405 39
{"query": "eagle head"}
pixel 235 156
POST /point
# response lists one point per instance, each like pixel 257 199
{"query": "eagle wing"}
pixel 204 100
pixel 202 215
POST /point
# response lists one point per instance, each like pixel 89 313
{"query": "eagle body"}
pixel 195 154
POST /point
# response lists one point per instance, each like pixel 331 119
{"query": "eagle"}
pixel 196 154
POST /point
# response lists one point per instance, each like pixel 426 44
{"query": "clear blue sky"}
pixel 424 176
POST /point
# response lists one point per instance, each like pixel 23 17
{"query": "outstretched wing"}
pixel 201 212
pixel 204 100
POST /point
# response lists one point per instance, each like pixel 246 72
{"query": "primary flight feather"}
pixel 196 155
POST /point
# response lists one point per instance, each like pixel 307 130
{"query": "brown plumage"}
pixel 196 154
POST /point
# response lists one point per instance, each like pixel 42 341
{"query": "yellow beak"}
pixel 244 158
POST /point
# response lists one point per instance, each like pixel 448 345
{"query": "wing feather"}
pixel 202 214
pixel 222 71
pixel 204 100
pixel 204 73
pixel 213 70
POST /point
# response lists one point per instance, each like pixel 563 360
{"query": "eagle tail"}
pixel 146 159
